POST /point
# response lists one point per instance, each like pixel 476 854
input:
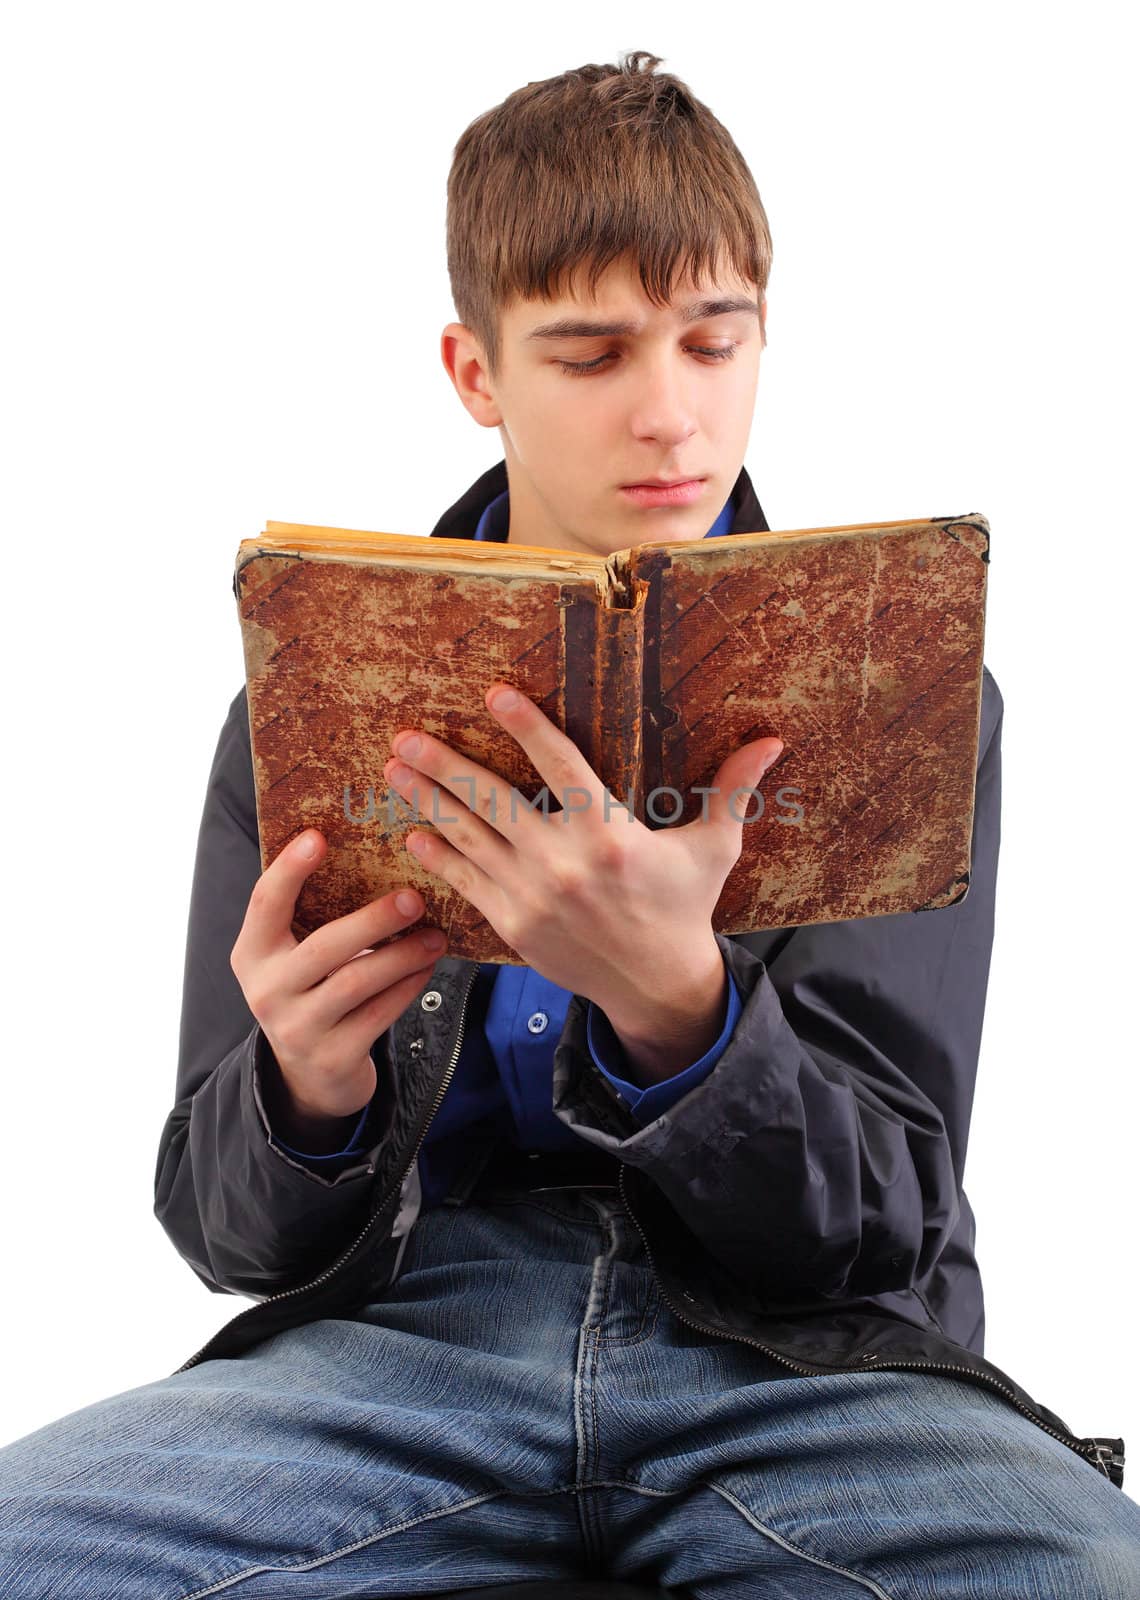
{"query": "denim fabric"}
pixel 521 1405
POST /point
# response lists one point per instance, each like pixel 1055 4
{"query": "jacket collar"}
pixel 460 520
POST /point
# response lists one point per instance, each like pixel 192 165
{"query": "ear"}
pixel 463 361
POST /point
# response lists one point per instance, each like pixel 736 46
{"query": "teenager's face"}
pixel 659 402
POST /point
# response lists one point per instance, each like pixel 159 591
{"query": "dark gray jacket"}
pixel 806 1197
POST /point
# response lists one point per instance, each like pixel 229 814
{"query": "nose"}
pixel 663 406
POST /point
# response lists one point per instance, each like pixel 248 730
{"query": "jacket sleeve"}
pixel 352 1148
pixel 823 1155
pixel 247 1217
pixel 649 1102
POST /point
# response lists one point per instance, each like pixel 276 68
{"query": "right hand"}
pixel 323 1001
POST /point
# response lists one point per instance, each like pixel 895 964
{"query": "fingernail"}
pixel 407 903
pixel 307 845
pixel 504 700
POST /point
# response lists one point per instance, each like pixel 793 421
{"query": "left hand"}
pixel 605 908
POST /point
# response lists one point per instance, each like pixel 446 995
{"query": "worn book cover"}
pixel 859 646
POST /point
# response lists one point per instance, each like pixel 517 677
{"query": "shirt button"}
pixel 537 1022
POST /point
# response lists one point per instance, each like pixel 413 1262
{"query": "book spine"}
pixel 655 718
pixel 602 708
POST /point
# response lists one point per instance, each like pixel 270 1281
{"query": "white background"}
pixel 226 283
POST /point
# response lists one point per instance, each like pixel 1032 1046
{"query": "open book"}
pixel 860 647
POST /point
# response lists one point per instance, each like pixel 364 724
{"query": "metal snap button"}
pixel 416 1046
pixel 431 1001
pixel 537 1022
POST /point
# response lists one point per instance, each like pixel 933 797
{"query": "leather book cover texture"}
pixel 860 647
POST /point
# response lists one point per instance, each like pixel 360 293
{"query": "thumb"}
pixel 741 773
pixel 270 920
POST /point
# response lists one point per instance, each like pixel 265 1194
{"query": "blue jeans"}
pixel 520 1405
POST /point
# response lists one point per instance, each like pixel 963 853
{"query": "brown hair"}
pixel 600 163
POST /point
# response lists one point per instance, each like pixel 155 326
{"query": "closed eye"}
pixel 724 354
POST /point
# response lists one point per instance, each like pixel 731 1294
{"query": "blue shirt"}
pixel 503 1078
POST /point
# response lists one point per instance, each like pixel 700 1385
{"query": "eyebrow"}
pixel 695 311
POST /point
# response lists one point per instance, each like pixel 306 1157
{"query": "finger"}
pixel 358 1029
pixel 328 948
pixel 446 787
pixel 571 780
pixel 733 802
pixel 367 977
pixel 468 879
pixel 442 806
pixel 267 927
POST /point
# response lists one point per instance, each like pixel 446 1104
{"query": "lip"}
pixel 681 492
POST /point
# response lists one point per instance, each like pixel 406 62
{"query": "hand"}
pixel 323 1001
pixel 600 905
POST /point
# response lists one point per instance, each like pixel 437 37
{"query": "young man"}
pixel 650 1257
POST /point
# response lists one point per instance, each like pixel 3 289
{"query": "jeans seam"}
pixel 786 1544
pixel 345 1550
pixel 646 1328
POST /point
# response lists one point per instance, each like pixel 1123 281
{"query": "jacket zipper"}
pixel 1101 1453
pixel 329 1272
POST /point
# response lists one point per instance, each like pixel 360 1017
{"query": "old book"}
pixel 859 646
